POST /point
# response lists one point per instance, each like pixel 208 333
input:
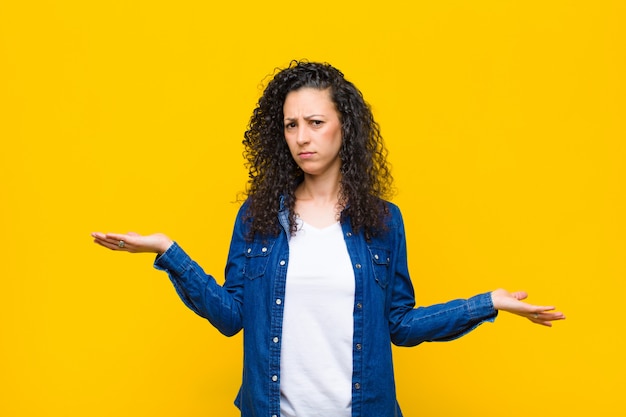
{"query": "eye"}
pixel 290 125
pixel 317 122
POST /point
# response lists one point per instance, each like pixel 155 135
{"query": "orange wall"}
pixel 505 125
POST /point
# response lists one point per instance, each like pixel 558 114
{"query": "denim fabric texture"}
pixel 253 298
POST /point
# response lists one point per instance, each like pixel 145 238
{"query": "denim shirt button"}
pixel 274 378
pixel 357 386
pixel 358 266
pixel 348 234
pixel 249 250
pixel 358 346
pixel 359 305
pixel 264 250
pixel 282 262
pixel 279 301
pixel 275 340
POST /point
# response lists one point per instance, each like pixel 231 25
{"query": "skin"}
pixel 313 135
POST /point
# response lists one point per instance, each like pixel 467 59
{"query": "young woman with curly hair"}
pixel 317 273
pixel 364 177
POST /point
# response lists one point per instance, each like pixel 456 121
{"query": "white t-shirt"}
pixel 316 355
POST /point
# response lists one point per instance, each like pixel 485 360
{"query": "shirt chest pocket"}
pixel 257 257
pixel 381 259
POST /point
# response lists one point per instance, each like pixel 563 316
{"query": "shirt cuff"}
pixel 481 307
pixel 174 260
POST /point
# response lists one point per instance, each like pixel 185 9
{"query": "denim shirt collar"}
pixel 283 216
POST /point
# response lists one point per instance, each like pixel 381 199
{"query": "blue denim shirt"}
pixel 253 298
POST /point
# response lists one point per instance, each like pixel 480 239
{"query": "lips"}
pixel 306 155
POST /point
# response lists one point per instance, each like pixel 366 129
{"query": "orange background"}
pixel 505 125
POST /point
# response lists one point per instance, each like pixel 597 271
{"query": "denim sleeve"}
pixel 443 322
pixel 220 305
pixel 410 326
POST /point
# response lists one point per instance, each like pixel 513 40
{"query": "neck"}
pixel 317 201
pixel 319 190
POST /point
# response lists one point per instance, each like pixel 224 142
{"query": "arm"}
pixel 453 319
pixel 221 305
pixel 410 326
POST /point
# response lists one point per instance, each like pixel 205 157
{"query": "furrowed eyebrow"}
pixel 291 119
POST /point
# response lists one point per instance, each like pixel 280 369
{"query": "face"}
pixel 313 131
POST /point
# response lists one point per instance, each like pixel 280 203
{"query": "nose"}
pixel 302 137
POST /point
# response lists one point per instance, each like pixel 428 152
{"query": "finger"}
pixel 545 318
pixel 112 241
pixel 109 237
pixel 107 244
pixel 122 241
pixel 117 236
pixel 543 309
pixel 99 238
pixel 537 319
pixel 553 315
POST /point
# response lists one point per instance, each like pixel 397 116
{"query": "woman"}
pixel 317 271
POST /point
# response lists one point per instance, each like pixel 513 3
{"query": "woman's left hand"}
pixel 512 303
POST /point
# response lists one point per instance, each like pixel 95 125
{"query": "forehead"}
pixel 305 100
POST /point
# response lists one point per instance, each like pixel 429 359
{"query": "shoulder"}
pixel 243 220
pixel 392 228
pixel 391 207
pixel 244 207
pixel 244 223
pixel 393 215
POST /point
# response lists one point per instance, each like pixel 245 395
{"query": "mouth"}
pixel 306 155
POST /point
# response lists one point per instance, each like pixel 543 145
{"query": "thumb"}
pixel 520 295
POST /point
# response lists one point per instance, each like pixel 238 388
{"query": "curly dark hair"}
pixel 365 175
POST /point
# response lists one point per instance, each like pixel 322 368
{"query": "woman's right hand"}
pixel 133 242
